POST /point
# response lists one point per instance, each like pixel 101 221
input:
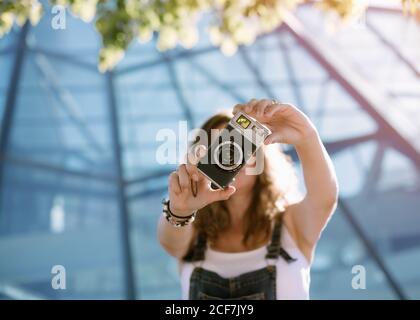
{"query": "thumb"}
pixel 196 153
pixel 224 194
pixel 272 138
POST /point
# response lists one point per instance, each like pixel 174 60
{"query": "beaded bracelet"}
pixel 176 221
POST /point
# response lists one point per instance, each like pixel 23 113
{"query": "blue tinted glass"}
pixel 53 219
pixel 76 39
pixel 62 191
pixel 61 116
pixel 6 63
pixel 8 41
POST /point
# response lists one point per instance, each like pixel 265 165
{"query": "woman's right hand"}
pixel 181 182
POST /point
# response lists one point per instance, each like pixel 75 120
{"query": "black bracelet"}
pixel 167 203
pixel 176 221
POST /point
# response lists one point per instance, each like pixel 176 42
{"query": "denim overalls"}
pixel 254 285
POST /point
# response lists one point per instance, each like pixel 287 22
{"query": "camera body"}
pixel 232 149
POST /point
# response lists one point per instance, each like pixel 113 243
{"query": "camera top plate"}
pixel 247 125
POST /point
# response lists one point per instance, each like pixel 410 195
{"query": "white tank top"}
pixel 292 279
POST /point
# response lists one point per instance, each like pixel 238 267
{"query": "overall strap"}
pixel 274 249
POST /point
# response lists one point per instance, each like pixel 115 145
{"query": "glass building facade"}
pixel 80 185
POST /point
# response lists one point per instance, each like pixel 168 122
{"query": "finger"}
pixel 184 178
pixel 196 153
pixel 253 101
pixel 193 172
pixel 174 183
pixel 268 110
pixel 260 109
pixel 223 194
pixel 272 110
pixel 279 107
pixel 238 107
pixel 250 105
pixel 259 105
pixel 272 138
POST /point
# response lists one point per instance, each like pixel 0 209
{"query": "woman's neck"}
pixel 237 205
pixel 231 240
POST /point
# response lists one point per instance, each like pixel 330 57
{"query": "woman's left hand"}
pixel 287 123
pixel 307 218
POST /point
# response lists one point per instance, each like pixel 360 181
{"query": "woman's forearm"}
pixel 176 241
pixel 318 170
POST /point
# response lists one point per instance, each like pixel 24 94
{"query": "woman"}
pixel 253 240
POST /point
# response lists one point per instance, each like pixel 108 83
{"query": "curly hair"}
pixel 275 188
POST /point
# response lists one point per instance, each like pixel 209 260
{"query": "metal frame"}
pixel 258 78
pixel 291 72
pixel 374 254
pixel 399 142
pixel 128 261
pixel 385 129
pixel 209 76
pixel 186 108
pixel 401 56
pixel 10 105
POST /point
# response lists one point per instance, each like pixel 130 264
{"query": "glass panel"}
pixel 392 79
pixel 339 259
pixel 52 215
pixel 138 55
pixel 61 117
pixel 157 273
pixel 207 91
pixel 398 172
pixel 49 219
pixel 78 39
pixel 401 32
pixel 7 41
pixel 6 64
pixel 146 103
pixel 388 212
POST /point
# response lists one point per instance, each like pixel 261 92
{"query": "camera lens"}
pixel 228 155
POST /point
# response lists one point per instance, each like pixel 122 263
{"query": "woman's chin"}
pixel 241 185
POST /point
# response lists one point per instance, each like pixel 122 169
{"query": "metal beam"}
pixel 373 173
pixel 154 175
pixel 65 58
pixel 209 76
pixel 292 75
pixel 401 56
pixel 339 145
pixel 57 185
pixel 384 9
pixel 66 101
pixel 147 193
pixel 36 165
pixel 10 104
pixel 130 281
pixel 186 108
pixel 374 254
pixel 155 62
pixel 182 54
pixel 318 114
pixel 259 79
pixel 334 147
pixel 370 102
pixel 55 152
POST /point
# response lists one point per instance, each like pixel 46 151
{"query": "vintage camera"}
pixel 231 150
